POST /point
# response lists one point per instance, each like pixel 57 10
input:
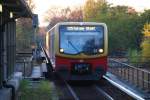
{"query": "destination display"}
pixel 81 28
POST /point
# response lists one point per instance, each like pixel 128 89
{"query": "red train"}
pixel 78 50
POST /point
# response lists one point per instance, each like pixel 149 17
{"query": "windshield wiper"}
pixel 73 46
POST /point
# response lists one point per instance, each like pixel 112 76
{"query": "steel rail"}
pixel 104 93
pixel 72 92
pixel 137 97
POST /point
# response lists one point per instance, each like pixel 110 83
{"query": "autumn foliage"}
pixel 146 43
pixel 55 15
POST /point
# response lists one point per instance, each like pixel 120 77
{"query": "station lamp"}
pixel 11 15
pixel 1 9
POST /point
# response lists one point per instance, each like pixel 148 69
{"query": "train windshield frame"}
pixel 77 39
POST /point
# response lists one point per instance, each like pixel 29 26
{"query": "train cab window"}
pixel 81 39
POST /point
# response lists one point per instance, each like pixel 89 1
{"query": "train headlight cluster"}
pixel 61 50
pixel 101 50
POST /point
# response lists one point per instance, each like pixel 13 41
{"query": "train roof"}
pixel 80 23
pixel 77 23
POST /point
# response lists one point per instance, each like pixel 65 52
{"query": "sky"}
pixel 43 5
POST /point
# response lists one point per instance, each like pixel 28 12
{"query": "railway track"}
pixel 101 90
pixel 112 91
pixel 87 92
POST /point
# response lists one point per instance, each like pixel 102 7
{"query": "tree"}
pixel 146 31
pixel 146 43
pixel 93 8
pixel 24 31
pixel 123 29
pixel 31 4
pixel 124 33
pixel 60 15
pixel 76 15
pixel 24 34
pixel 144 17
pixel 90 10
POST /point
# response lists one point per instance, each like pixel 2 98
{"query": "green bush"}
pixel 146 50
pixel 134 56
pixel 40 91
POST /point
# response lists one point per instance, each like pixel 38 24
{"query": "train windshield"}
pixel 81 39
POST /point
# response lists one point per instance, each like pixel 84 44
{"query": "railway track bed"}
pixel 85 90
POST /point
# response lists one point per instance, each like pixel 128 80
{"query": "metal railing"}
pixel 137 61
pixel 136 76
pixel 24 64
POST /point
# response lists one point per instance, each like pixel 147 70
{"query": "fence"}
pixel 136 61
pixel 24 64
pixel 136 76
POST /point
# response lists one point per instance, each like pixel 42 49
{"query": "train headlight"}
pixel 61 50
pixel 1 9
pixel 101 50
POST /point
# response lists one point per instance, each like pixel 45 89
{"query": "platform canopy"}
pixel 18 8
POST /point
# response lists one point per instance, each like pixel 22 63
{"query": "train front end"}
pixel 81 51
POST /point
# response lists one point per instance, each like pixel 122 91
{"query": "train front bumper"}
pixel 94 75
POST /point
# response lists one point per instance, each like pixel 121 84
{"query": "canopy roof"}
pixel 19 8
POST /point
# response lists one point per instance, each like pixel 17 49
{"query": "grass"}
pixel 40 91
